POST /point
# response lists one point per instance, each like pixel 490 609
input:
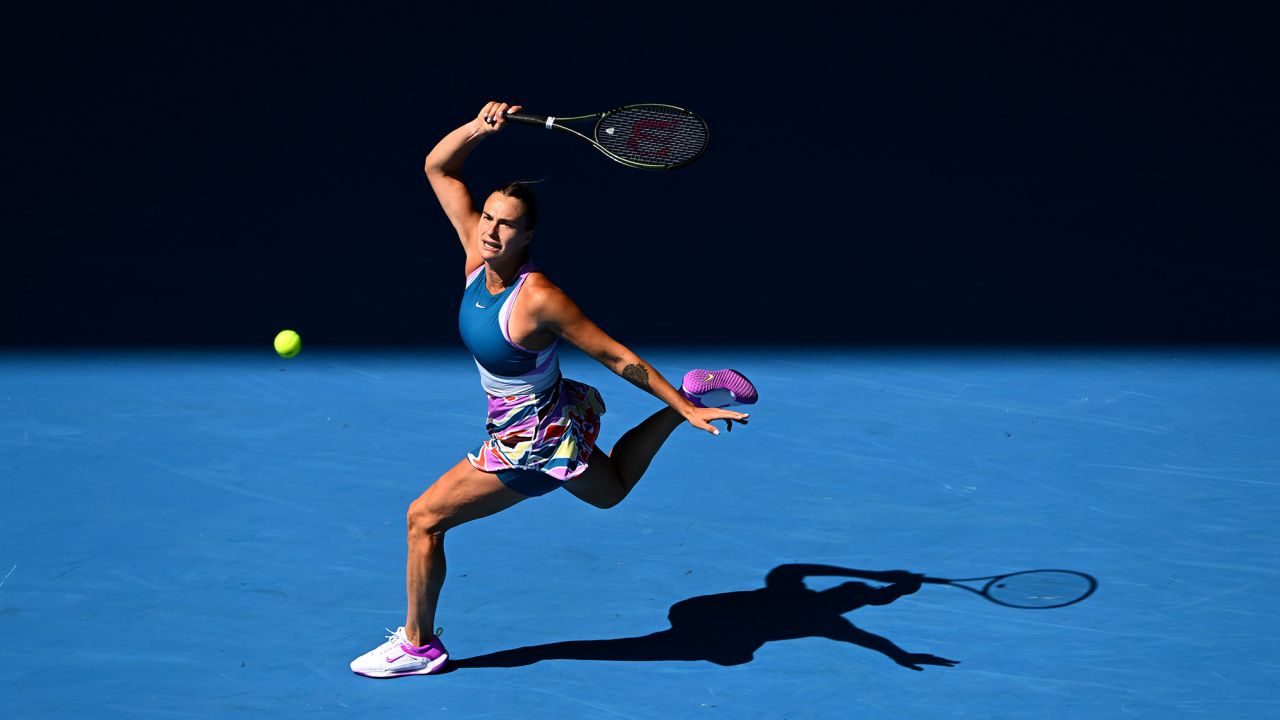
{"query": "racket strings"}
pixel 1041 589
pixel 652 135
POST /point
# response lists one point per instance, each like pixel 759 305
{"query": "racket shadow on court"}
pixel 728 628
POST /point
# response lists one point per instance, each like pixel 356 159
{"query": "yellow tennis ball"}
pixel 288 343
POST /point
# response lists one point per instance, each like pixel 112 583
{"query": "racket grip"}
pixel 527 119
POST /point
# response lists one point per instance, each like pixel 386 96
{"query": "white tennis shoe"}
pixel 397 658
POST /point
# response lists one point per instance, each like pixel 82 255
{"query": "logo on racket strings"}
pixel 655 135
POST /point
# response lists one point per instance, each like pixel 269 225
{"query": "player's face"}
pixel 502 227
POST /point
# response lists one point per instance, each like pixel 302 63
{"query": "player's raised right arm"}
pixel 795 573
pixel 444 170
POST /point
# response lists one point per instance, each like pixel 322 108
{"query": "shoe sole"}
pixel 701 382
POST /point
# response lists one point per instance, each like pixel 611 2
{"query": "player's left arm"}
pixel 552 309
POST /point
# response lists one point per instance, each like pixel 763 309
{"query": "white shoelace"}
pixel 396 637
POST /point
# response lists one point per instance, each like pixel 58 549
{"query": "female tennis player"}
pixel 542 427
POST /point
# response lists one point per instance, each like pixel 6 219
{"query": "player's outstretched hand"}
pixel 493 116
pixel 701 418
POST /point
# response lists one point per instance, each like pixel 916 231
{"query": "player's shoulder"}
pixel 542 295
pixel 537 282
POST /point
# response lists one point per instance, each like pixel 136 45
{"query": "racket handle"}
pixel 528 119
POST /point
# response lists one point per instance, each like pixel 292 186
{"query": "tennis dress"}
pixel 537 420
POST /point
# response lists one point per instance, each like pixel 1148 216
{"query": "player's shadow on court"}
pixel 728 628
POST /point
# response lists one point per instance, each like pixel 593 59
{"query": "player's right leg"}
pixel 460 495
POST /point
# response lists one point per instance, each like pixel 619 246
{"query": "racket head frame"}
pixel 677 110
pixel 557 123
pixel 991 582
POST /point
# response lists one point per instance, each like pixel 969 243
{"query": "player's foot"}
pixel 718 388
pixel 397 658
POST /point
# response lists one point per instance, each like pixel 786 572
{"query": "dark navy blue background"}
pixel 895 173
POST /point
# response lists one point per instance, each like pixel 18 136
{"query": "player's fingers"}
pixel 486 113
pixel 728 416
pixel 493 113
pixel 705 426
pixel 514 109
pixel 500 114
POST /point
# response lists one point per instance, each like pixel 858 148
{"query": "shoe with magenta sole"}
pixel 718 388
pixel 397 658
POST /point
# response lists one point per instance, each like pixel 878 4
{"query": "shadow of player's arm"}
pixel 790 577
pixel 850 633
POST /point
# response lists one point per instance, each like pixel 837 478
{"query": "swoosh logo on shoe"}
pixel 710 376
pixel 391 660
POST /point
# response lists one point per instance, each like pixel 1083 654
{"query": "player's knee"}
pixel 614 491
pixel 423 521
pixel 605 503
pixel 599 490
pixel 613 500
pixel 605 497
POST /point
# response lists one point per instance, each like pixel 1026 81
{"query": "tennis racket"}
pixel 1032 589
pixel 647 136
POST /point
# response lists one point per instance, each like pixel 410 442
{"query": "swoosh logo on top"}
pixel 482 307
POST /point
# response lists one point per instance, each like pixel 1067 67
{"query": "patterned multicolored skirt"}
pixel 553 432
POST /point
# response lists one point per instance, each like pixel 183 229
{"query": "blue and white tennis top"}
pixel 506 368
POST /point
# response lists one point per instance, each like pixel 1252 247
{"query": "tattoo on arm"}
pixel 637 375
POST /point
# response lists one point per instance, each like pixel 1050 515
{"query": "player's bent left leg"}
pixel 599 484
pixel 609 478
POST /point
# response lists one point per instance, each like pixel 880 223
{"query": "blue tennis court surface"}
pixel 219 534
